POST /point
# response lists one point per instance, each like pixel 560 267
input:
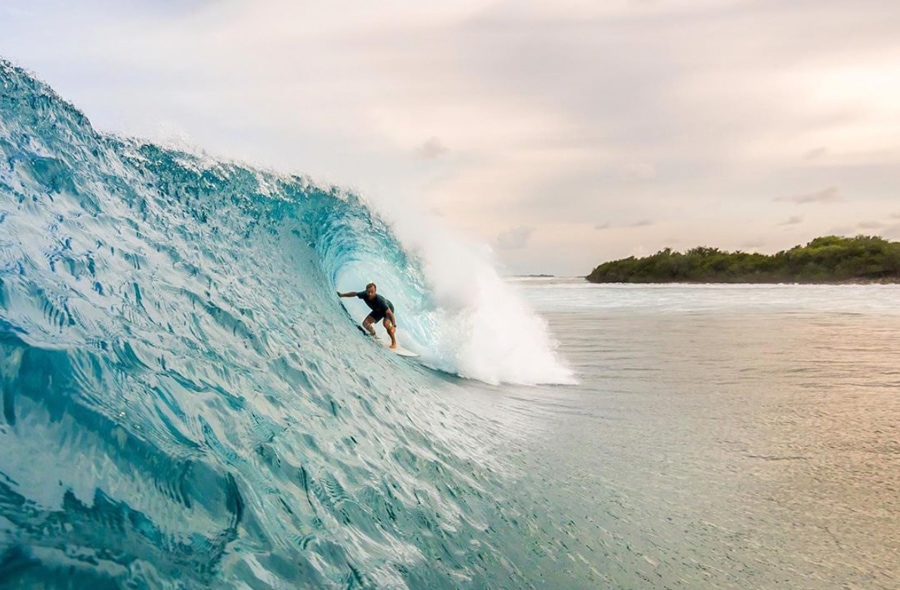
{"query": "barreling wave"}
pixel 185 403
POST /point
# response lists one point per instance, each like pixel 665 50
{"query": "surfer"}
pixel 381 309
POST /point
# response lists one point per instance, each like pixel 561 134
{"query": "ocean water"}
pixel 187 404
pixel 723 436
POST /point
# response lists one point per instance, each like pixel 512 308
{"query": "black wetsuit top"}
pixel 378 304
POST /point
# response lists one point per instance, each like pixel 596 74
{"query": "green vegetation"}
pixel 828 259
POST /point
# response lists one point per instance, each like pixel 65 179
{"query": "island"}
pixel 828 259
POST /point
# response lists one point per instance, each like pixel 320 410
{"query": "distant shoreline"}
pixel 828 260
pixel 881 281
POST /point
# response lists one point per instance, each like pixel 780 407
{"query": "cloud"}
pixel 608 225
pixel 794 220
pixel 815 154
pixel 514 239
pixel 752 244
pixel 15 11
pixel 594 110
pixel 641 223
pixel 828 195
pixel 841 230
pixel 431 149
pixel 640 171
pixel 871 225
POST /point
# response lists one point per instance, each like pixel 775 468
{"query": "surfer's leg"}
pixel 367 324
pixel 392 331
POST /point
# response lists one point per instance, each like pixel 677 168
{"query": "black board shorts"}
pixel 378 315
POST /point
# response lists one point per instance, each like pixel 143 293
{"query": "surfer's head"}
pixel 370 290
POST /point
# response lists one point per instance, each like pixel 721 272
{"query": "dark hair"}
pixel 372 285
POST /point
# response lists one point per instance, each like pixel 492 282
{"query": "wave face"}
pixel 185 403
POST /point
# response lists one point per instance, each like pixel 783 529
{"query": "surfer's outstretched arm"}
pixel 347 294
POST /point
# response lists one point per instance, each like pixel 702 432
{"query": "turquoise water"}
pixel 738 436
pixel 186 403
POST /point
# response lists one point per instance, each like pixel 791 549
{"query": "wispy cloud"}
pixel 514 239
pixel 828 195
pixel 841 230
pixel 608 225
pixel 815 154
pixel 794 220
pixel 432 149
pixel 752 244
pixel 871 225
pixel 639 171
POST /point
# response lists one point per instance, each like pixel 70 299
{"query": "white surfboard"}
pixel 399 350
pixel 403 352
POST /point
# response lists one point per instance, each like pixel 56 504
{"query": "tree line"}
pixel 826 259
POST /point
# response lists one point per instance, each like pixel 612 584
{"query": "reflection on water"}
pixel 724 447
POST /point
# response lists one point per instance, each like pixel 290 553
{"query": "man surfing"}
pixel 381 309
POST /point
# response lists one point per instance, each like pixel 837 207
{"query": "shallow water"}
pixel 740 436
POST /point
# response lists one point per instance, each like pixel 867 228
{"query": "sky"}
pixel 561 134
